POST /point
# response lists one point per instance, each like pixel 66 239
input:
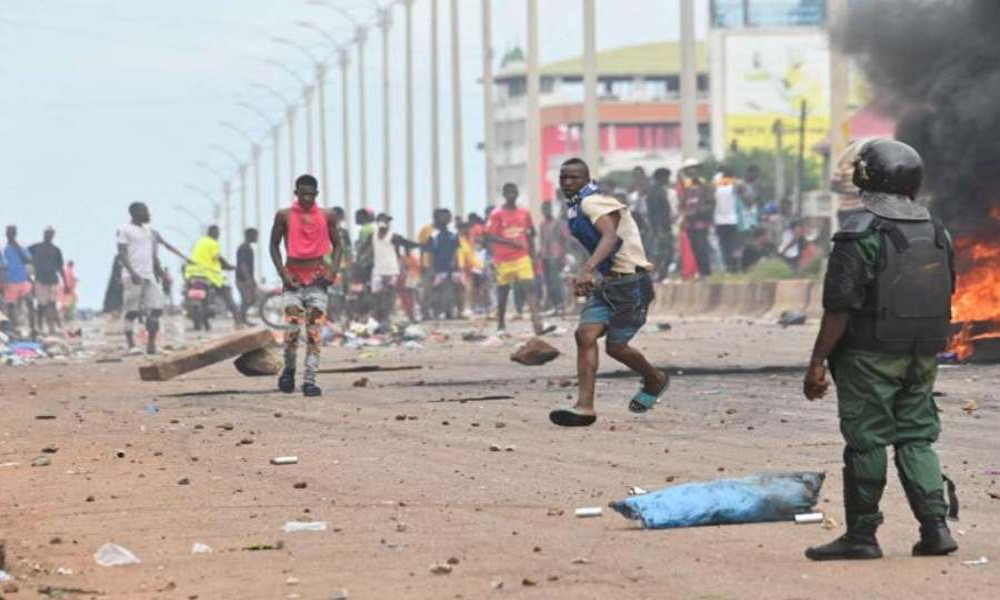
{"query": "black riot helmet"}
pixel 889 167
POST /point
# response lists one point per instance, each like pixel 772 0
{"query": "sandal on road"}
pixel 568 417
pixel 643 400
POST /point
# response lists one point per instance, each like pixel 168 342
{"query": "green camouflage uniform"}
pixel 882 399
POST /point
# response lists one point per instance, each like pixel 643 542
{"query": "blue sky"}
pixel 106 102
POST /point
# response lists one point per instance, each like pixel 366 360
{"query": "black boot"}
pixel 850 546
pixel 311 389
pixel 935 539
pixel 286 383
pixel 859 542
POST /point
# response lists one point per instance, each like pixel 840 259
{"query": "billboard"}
pixel 767 77
pixel 734 14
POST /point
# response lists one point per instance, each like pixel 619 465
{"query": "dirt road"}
pixel 402 471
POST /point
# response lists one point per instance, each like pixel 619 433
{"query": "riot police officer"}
pixel 887 305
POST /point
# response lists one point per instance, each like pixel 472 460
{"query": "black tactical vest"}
pixel 907 308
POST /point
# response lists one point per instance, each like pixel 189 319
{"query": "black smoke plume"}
pixel 936 63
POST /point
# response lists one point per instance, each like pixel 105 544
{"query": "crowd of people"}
pixel 37 285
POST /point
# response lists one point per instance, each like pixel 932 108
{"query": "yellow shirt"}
pixel 205 259
pixel 423 235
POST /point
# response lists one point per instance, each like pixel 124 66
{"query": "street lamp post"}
pixel 214 206
pixel 410 202
pixel 489 116
pixel 241 168
pixel 385 21
pixel 307 91
pixel 435 130
pixel 456 112
pixel 290 121
pixel 255 152
pixel 226 194
pixel 276 143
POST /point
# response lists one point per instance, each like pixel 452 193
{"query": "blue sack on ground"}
pixel 755 499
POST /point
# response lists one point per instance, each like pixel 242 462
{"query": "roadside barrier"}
pixel 766 299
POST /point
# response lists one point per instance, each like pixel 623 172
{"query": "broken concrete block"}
pixel 535 352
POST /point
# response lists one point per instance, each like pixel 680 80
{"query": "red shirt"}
pixel 510 225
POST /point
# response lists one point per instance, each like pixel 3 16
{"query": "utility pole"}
pixel 456 112
pixel 323 166
pixel 307 93
pixel 411 217
pixel 532 118
pixel 384 22
pixel 227 215
pixel 243 197
pixel 839 92
pixel 346 135
pixel 258 209
pixel 689 82
pixel 276 140
pixel 489 116
pixel 591 124
pixel 435 127
pixel 779 160
pixel 291 144
pixel 800 171
pixel 362 122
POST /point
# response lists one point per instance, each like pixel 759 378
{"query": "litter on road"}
pixel 285 460
pixel 296 526
pixel 809 518
pixel 590 511
pixel 113 555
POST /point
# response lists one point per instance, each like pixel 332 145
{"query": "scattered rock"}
pixel 971 406
pixel 360 383
pixel 292 581
pixel 301 485
pixel 50 450
pixel 400 417
pixel 528 582
pixel 535 352
pixel 41 461
pixel 453 561
pixel 260 362
pixel 555 512
pixel 494 448
pixel 45 417
pixel 441 569
pixel 499 424
pixel 496 584
pixel 580 561
pixel 183 481
pixel 226 426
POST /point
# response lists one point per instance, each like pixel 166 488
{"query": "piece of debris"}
pixel 590 511
pixel 497 584
pixel 119 453
pixel 113 555
pixel 494 448
pixel 982 560
pixel 994 495
pixel 360 383
pixel 441 569
pixel 971 406
pixel 580 561
pixel 41 461
pixel 44 417
pixel 555 512
pixel 285 460
pixel 245 442
pixel 279 545
pixel 301 485
pixel 297 526
pixel 829 523
pixel 260 362
pixel 225 426
pixel 528 582
pixel 791 317
pixel 637 491
pixel 149 409
pixel 400 417
pixel 292 581
pixel 663 326
pixel 474 336
pixel 536 352
pixel 199 548
pixel 210 353
pixel 183 481
pixel 808 518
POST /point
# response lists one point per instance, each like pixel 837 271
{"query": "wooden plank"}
pixel 210 353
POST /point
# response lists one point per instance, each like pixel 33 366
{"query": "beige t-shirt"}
pixel 631 254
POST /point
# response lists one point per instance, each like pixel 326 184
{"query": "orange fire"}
pixel 976 303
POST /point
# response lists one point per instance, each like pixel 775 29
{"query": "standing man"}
pixel 512 235
pixel 309 234
pixel 727 216
pixel 696 205
pixel 618 301
pixel 48 262
pixel 246 281
pixel 554 237
pixel 17 281
pixel 141 273
pixel 887 302
pixel 661 221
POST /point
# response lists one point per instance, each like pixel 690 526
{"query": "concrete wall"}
pixel 766 299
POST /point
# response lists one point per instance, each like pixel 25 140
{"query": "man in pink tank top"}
pixel 309 234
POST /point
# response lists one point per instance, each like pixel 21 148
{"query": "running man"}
pixel 309 234
pixel 512 235
pixel 141 273
pixel 617 303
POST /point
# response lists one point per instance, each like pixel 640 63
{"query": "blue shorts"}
pixel 621 305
